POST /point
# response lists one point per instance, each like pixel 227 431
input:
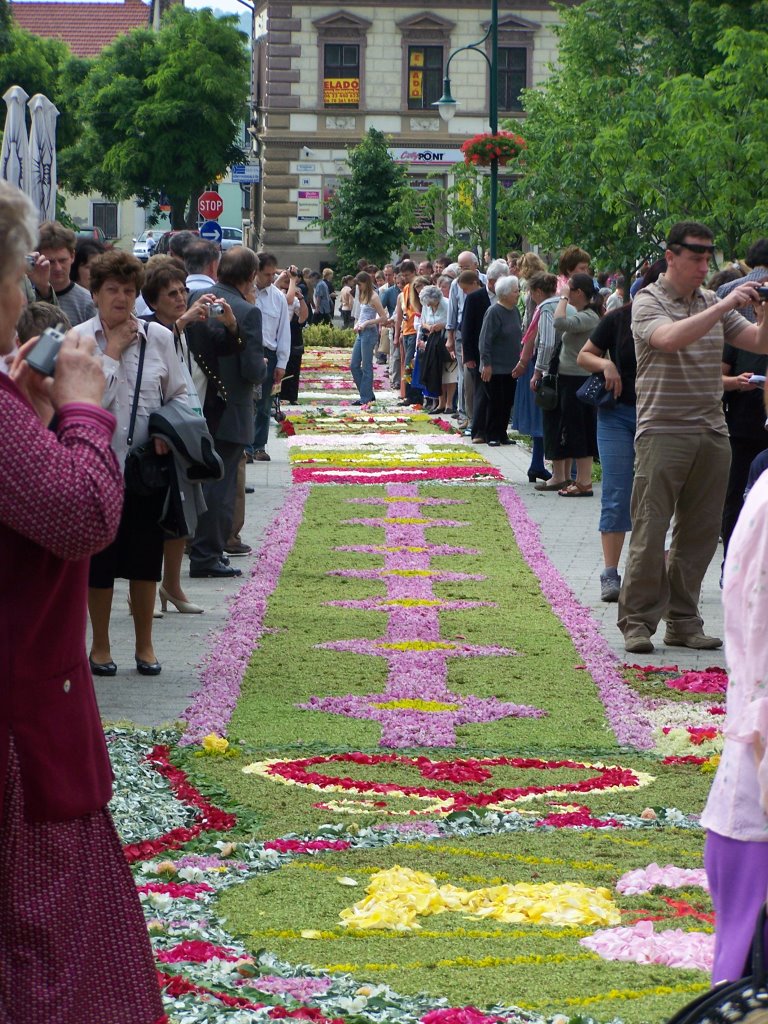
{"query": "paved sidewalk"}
pixel 182 640
pixel 570 536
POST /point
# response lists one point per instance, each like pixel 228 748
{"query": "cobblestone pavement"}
pixel 569 533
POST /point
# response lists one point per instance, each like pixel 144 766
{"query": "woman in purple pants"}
pixel 736 815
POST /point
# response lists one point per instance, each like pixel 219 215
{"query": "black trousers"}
pixel 493 406
pixel 214 525
pixel 743 451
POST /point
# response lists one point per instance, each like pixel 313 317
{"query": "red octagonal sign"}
pixel 210 205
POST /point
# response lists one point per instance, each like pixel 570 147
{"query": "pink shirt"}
pixel 733 808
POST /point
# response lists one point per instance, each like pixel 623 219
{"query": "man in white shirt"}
pixel 201 258
pixel 276 333
pixel 467 261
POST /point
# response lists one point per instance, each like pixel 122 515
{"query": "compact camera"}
pixel 42 357
pixel 215 309
pixel 762 292
pixel 30 259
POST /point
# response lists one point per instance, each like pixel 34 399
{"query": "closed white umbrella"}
pixel 15 150
pixel 42 156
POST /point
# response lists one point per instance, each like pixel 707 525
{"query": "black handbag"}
pixel 734 1001
pixel 546 395
pixel 594 392
pixel 146 473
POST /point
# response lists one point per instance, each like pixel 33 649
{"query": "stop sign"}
pixel 210 205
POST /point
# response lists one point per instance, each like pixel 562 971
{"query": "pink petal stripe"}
pixel 225 664
pixel 623 707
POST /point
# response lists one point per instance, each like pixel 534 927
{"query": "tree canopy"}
pixel 651 116
pixel 370 210
pixel 161 113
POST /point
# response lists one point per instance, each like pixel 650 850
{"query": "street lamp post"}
pixel 447 105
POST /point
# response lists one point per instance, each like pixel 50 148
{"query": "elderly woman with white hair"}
pixel 500 341
pixel 437 367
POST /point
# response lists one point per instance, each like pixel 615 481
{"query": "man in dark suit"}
pixel 233 363
pixel 476 302
pixel 478 299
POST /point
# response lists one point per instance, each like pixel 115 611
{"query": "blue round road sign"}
pixel 211 231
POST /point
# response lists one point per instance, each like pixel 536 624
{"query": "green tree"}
pixel 600 116
pixel 699 152
pixel 371 209
pixel 30 61
pixel 458 217
pixel 161 113
pixel 6 25
pixel 42 65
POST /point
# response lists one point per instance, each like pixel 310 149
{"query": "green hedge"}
pixel 328 336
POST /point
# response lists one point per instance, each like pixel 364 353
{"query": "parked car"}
pixel 141 250
pixel 230 237
pixel 163 242
pixel 90 231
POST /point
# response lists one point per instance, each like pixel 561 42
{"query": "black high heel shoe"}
pixel 148 668
pixel 538 474
pixel 107 668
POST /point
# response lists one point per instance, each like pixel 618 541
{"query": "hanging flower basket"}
pixel 481 149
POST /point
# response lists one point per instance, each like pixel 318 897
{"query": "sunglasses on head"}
pixel 698 248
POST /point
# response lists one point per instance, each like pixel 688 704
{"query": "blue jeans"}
pixel 616 444
pixel 361 362
pixel 263 407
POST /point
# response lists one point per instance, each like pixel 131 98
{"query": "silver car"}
pixel 142 248
pixel 230 237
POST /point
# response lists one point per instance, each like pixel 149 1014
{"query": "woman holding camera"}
pixel 73 943
pixel 288 283
pixel 372 316
pixel 136 554
pixel 165 292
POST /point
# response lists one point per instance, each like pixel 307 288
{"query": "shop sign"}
pixel 427 157
pixel 341 92
pixel 309 206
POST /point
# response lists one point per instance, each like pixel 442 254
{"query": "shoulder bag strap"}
pixel 136 391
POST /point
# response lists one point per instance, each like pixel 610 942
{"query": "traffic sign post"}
pixel 211 231
pixel 210 205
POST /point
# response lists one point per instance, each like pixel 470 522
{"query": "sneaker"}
pixel 261 456
pixel 610 586
pixel 695 641
pixel 638 643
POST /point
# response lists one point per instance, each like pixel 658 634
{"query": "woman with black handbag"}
pixel 610 352
pixel 142 373
pixel 577 314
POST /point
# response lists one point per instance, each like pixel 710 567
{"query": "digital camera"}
pixel 42 357
pixel 215 309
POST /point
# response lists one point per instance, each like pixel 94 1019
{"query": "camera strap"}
pixel 136 391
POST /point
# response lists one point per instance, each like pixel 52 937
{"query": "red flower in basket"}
pixel 504 146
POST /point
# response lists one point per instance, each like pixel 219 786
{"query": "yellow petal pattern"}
pixel 396 897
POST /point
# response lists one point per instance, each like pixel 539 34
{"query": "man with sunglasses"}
pixel 682 449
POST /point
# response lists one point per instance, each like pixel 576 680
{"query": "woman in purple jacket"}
pixel 73 945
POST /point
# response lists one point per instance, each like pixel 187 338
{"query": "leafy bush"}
pixel 328 336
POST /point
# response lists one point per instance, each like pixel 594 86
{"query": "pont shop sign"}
pixel 426 157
